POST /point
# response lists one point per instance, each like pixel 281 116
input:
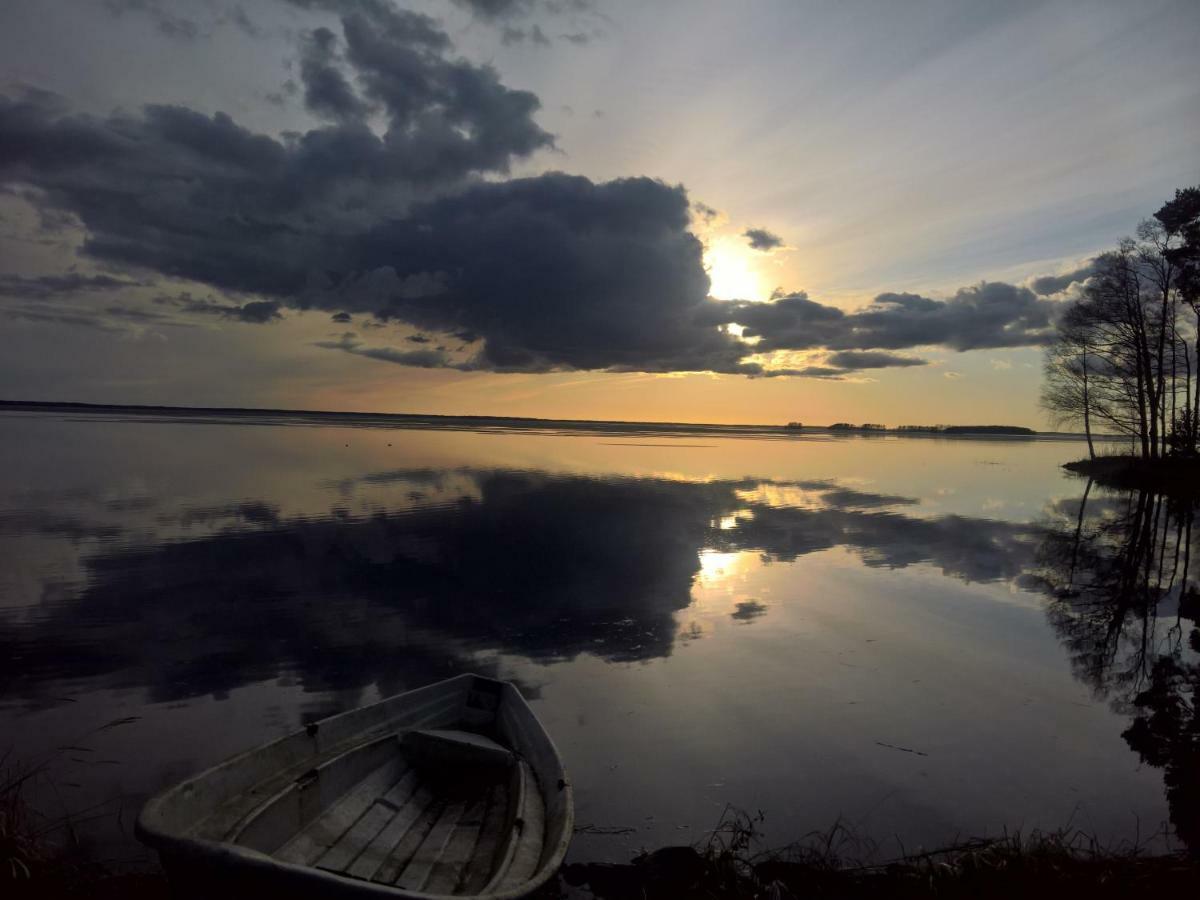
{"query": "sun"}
pixel 732 271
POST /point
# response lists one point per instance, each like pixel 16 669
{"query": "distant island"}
pixel 871 427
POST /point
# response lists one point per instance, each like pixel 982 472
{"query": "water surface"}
pixel 921 638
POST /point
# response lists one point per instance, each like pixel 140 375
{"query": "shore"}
pixel 1041 866
pixel 1168 475
pixel 730 864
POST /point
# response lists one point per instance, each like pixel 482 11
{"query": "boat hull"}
pixel 454 789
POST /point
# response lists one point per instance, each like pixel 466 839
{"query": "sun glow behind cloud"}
pixel 733 271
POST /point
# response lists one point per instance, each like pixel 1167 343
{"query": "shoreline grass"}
pixel 729 866
pixel 43 855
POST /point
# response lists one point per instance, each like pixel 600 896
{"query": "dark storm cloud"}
pixel 510 252
pixel 872 359
pixel 761 239
pixel 327 93
pixel 200 197
pixel 552 272
pixel 1053 284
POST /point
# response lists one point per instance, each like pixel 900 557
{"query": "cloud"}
pixel 502 13
pixel 705 213
pixel 256 312
pixel 872 359
pixel 395 210
pixel 499 10
pixel 496 9
pixel 761 239
pixel 55 316
pixel 1054 284
pixel 242 20
pixel 327 93
pixel 168 23
pixel 200 197
pixel 422 359
pixel 509 252
pixel 826 372
pixel 535 35
pixel 987 315
pixel 36 287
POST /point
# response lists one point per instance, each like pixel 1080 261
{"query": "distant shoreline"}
pixel 501 423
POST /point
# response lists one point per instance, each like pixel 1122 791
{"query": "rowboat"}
pixel 454 789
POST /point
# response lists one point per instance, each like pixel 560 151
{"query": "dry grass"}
pixel 837 863
pixel 41 855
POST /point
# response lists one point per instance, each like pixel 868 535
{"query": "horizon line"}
pixel 245 410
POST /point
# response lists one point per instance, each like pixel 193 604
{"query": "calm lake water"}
pixel 922 639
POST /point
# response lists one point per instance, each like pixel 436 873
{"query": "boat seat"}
pixel 446 748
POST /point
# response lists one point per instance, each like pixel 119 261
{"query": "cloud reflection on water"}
pixel 467 561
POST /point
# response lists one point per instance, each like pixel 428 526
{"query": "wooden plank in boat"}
pixel 483 859
pixel 448 870
pixel 411 805
pixel 363 833
pixel 420 867
pixel 325 830
pixel 408 845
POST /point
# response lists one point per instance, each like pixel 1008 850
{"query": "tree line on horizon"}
pixel 926 429
pixel 1126 353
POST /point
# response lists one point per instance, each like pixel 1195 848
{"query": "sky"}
pixel 687 210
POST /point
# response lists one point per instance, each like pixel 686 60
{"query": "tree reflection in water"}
pixel 1120 572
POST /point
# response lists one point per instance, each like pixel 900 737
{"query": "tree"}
pixel 1067 370
pixel 1123 357
pixel 1181 218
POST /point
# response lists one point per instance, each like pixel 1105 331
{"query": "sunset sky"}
pixel 677 210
